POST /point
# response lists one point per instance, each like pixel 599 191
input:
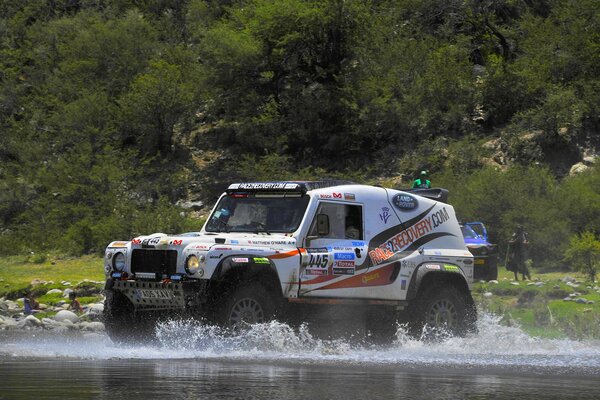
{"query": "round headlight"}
pixel 119 261
pixel 192 264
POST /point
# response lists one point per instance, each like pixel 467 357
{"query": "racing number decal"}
pixel 318 260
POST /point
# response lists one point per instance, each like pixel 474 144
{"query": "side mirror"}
pixel 322 224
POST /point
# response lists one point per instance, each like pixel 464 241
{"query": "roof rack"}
pixel 287 186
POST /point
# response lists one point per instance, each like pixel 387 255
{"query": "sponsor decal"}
pixel 214 256
pixel 200 247
pixel 176 242
pixel 337 195
pixel 325 196
pixel 343 256
pixel 316 250
pixel 316 272
pixel 222 248
pixel 239 260
pixel 151 242
pixel 260 185
pixel 343 264
pixel 409 235
pixel 343 271
pixel 261 260
pixel 433 267
pixel 349 196
pixel 118 244
pixel 136 241
pixel 369 277
pixel 403 284
pixel 385 214
pixel 405 202
pixel 358 243
pixel 235 242
pixel 451 268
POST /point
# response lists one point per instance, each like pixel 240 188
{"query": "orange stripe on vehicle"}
pixel 379 277
pixel 284 255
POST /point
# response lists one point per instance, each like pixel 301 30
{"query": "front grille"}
pixel 161 261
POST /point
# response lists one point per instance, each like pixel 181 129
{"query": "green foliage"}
pixel 584 254
pixel 106 106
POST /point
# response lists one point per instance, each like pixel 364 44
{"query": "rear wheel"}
pixel 246 305
pixel 442 311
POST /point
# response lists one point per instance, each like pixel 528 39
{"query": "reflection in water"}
pixel 273 361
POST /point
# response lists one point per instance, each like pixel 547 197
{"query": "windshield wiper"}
pixel 260 227
pixel 223 223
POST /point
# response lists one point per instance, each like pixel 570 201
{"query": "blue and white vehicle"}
pixel 282 249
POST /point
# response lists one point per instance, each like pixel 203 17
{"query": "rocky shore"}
pixel 55 316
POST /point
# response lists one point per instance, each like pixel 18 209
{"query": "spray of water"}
pixel 493 345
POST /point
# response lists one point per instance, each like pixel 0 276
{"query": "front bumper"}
pixel 151 296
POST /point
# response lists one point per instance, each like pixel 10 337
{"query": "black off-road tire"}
pixel 245 305
pixel 120 321
pixel 441 311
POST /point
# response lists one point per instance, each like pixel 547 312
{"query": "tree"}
pixel 584 253
pixel 157 101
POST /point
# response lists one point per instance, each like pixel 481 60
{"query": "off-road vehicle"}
pixel 295 251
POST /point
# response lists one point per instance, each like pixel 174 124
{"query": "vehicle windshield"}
pixel 236 213
pixel 469 233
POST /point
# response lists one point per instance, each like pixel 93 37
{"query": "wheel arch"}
pixel 234 271
pixel 424 278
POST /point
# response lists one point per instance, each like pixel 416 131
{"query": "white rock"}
pixel 67 292
pixel 530 283
pixel 488 294
pixel 515 283
pixel 539 284
pixel 95 309
pixel 495 282
pixel 66 315
pixel 94 326
pixel 52 291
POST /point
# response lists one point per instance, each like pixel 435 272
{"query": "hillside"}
pixel 123 117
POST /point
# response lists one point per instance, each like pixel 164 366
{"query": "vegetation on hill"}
pixel 111 111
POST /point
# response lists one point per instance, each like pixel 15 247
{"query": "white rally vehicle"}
pixel 299 251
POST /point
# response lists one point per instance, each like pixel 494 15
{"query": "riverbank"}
pixel 552 305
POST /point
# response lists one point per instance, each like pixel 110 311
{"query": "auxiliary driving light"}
pixel 192 264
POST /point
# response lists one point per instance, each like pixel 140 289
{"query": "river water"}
pixel 273 361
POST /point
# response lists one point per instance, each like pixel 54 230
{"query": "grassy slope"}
pixel 16 273
pixel 540 311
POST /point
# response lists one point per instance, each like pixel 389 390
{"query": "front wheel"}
pixel 121 322
pixel 442 311
pixel 246 305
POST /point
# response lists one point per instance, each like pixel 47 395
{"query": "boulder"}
pixel 488 294
pixel 95 309
pixel 580 300
pixel 578 168
pixel 29 322
pixel 94 327
pixel 67 292
pixel 52 291
pixel 66 315
pixel 539 284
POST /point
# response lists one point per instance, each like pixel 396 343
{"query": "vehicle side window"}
pixel 345 221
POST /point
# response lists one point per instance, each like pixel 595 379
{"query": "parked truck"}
pixel 291 250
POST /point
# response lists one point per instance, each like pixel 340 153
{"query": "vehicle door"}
pixel 335 251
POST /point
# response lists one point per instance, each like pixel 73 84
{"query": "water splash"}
pixel 494 345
